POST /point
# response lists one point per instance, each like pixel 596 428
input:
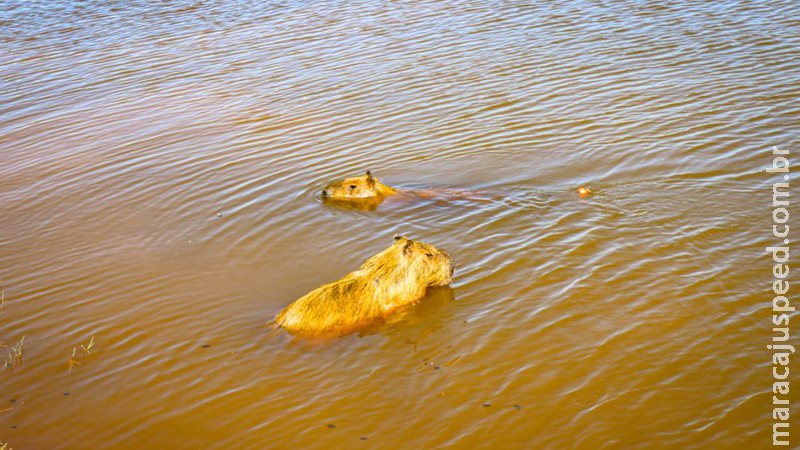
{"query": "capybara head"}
pixel 424 264
pixel 364 186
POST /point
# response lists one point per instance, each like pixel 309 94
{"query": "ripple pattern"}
pixel 159 170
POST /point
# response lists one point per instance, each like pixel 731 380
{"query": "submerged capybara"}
pixel 364 186
pixel 396 277
pixel 365 192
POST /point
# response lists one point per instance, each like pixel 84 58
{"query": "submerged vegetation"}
pixel 75 358
pixel 15 352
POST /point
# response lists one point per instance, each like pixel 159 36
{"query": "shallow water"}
pixel 159 170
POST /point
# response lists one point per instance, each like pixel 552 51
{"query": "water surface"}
pixel 159 170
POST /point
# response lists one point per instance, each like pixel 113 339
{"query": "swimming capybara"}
pixel 364 186
pixel 366 192
pixel 396 277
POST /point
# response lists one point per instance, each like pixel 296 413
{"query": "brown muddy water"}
pixel 160 164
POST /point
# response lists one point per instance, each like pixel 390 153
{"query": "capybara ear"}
pixel 398 237
pixel 369 173
pixel 370 179
pixel 407 247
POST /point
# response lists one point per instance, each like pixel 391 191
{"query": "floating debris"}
pixel 452 361
pixel 14 405
pixel 75 358
pixel 88 348
pixel 14 358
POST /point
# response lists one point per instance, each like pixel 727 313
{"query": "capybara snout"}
pixel 436 263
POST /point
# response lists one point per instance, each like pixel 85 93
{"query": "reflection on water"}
pixel 417 315
pixel 160 170
pixel 354 204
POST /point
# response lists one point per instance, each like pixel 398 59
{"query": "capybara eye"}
pixel 352 186
pixel 429 255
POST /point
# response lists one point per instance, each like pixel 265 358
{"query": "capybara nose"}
pixel 324 193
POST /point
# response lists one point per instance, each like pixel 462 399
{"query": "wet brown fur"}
pixel 394 278
pixel 360 187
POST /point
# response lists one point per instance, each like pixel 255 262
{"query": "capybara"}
pixel 364 186
pixel 366 192
pixel 396 277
